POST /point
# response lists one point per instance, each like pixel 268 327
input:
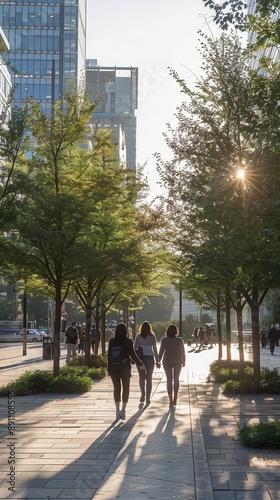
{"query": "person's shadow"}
pixel 147 459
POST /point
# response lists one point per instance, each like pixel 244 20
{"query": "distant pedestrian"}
pixel 195 335
pixel 201 337
pixel 82 341
pixel 208 335
pixel 172 350
pixel 213 334
pixel 71 340
pixel 272 337
pixel 146 341
pixel 278 337
pixel 94 339
pixel 263 338
pixel 79 330
pixel 120 353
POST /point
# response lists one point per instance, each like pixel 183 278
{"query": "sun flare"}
pixel 240 174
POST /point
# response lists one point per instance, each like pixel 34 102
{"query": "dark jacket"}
pixel 273 334
pixel 129 353
pixel 71 335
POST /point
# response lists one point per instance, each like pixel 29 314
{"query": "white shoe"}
pixel 122 414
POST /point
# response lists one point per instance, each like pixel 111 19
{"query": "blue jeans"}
pixel 145 379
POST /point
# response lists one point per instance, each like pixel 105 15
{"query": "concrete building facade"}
pixel 5 81
pixel 115 89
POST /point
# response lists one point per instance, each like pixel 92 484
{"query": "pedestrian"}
pixel 272 337
pixel 120 353
pixel 92 338
pixel 82 341
pixel 195 335
pixel 278 337
pixel 79 330
pixel 146 343
pixel 71 340
pixel 213 334
pixel 201 337
pixel 172 353
pixel 208 335
pixel 263 338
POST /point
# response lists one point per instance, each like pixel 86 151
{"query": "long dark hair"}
pixel 121 333
pixel 146 329
pixel 172 331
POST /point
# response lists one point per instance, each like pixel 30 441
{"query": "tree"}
pixel 263 21
pixel 221 224
pixel 53 212
pixel 228 12
pixel 157 308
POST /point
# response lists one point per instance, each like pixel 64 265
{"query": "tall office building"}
pixel 116 90
pixel 46 37
pixel 5 81
pixel 270 50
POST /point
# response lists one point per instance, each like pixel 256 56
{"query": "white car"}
pixel 32 335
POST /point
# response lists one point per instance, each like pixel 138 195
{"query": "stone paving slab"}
pixel 70 447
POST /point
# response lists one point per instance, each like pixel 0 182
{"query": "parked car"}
pixel 32 335
pixel 7 336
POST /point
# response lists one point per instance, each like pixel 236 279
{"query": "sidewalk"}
pixel 68 447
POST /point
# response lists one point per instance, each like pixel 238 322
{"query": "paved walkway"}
pixel 69 447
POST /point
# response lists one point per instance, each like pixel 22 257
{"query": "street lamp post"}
pixel 180 311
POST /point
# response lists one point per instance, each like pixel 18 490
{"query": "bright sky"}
pixel 152 35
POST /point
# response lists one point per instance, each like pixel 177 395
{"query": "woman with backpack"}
pixel 146 344
pixel 120 353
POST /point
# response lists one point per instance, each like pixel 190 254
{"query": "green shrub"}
pixel 225 374
pixel 269 383
pixel 93 373
pixel 70 380
pixel 71 384
pixel 261 435
pixel 30 382
pixel 223 364
pixel 96 361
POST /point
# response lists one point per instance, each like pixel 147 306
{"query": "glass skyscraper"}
pixel 46 38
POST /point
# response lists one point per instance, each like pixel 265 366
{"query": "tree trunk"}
pixel 228 326
pixel 97 326
pixel 103 329
pixel 88 327
pixel 255 306
pixel 57 323
pixel 239 328
pixel 219 328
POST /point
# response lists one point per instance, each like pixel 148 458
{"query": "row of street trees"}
pixel 223 181
pixel 70 216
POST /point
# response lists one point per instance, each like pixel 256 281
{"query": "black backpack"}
pixel 116 356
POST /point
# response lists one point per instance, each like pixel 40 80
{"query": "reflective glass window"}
pixel 24 19
pixel 44 16
pixel 56 14
pixel 70 41
pixel 31 15
pixel 21 40
pixel 70 18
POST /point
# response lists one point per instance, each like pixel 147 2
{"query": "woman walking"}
pixel 120 353
pixel 146 343
pixel 172 350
